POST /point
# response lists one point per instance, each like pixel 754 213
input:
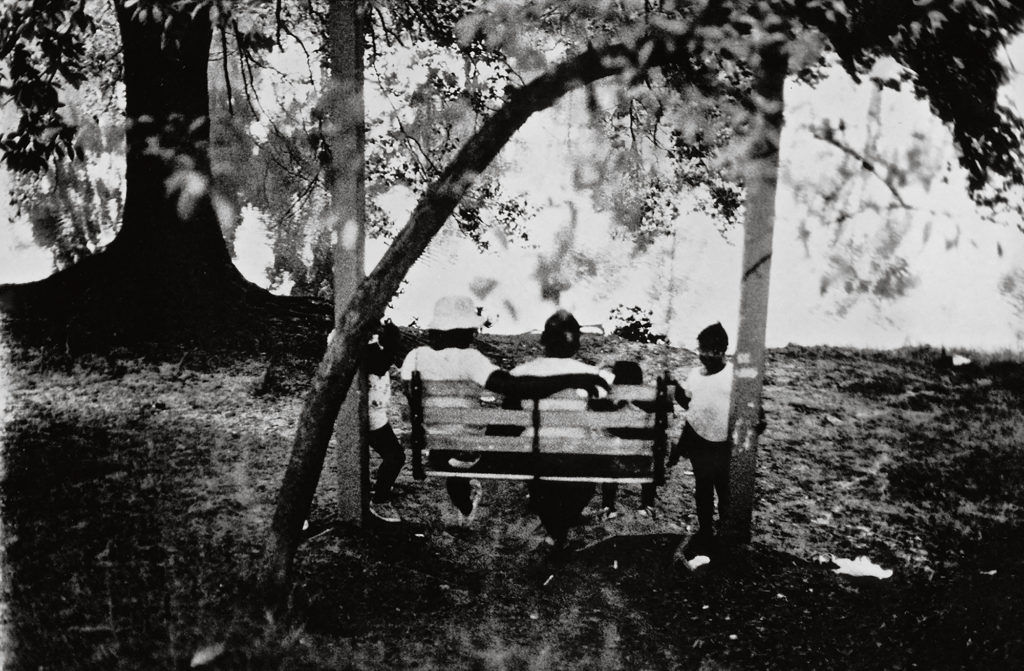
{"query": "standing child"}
pixel 378 360
pixel 705 395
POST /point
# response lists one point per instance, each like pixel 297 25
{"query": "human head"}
pixel 628 372
pixel 713 339
pixel 389 337
pixel 561 335
pixel 454 322
pixel 712 343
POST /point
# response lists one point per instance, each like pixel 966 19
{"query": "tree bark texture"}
pixel 343 111
pixel 169 220
pixel 762 172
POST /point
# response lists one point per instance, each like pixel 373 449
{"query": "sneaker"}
pixel 385 512
pixel 459 462
pixel 645 511
pixel 476 493
pixel 609 512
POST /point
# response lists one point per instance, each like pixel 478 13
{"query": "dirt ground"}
pixel 136 493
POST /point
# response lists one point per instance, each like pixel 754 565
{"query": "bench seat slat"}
pixel 584 445
pixel 624 480
pixel 564 467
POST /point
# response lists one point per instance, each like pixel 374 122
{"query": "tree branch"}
pixel 866 162
pixel 353 328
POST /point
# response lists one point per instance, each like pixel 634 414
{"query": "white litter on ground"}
pixel 860 566
pixel 697 562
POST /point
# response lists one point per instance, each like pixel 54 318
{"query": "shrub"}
pixel 634 323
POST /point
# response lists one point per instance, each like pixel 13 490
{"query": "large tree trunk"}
pixel 762 171
pixel 168 275
pixel 168 214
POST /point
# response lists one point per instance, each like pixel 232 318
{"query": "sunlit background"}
pixel 951 277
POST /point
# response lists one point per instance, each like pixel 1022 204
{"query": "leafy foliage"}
pixel 43 44
pixel 951 50
pixel 634 324
pixel 673 136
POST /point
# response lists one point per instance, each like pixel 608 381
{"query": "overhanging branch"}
pixel 354 326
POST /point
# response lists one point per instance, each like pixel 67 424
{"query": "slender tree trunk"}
pixel 344 113
pixel 761 179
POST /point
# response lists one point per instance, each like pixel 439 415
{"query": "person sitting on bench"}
pixel 451 356
pixel 559 504
pixel 625 372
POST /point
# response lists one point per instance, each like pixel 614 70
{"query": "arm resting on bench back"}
pixel 529 386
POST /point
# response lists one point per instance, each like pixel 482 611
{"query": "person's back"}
pixel 559 504
pixel 451 356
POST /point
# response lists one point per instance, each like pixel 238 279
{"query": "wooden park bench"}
pixel 562 437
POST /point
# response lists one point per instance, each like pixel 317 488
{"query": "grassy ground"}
pixel 135 494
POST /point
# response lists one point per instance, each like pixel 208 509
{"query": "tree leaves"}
pixel 43 45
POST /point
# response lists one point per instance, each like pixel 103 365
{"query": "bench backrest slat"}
pixel 476 416
pixel 561 418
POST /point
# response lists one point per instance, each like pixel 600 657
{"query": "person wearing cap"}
pixel 559 504
pixel 450 356
pixel 705 395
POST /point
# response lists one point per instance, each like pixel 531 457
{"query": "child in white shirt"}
pixel 706 394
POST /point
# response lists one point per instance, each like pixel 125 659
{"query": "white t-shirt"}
pixel 709 395
pixel 378 399
pixel 452 363
pixel 547 366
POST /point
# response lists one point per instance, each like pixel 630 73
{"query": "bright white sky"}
pixel 956 303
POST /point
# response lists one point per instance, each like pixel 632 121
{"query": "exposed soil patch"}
pixel 136 493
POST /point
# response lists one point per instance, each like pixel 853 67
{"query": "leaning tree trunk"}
pixel 762 171
pixel 335 373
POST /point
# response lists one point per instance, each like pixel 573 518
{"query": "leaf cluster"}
pixel 951 48
pixel 43 44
